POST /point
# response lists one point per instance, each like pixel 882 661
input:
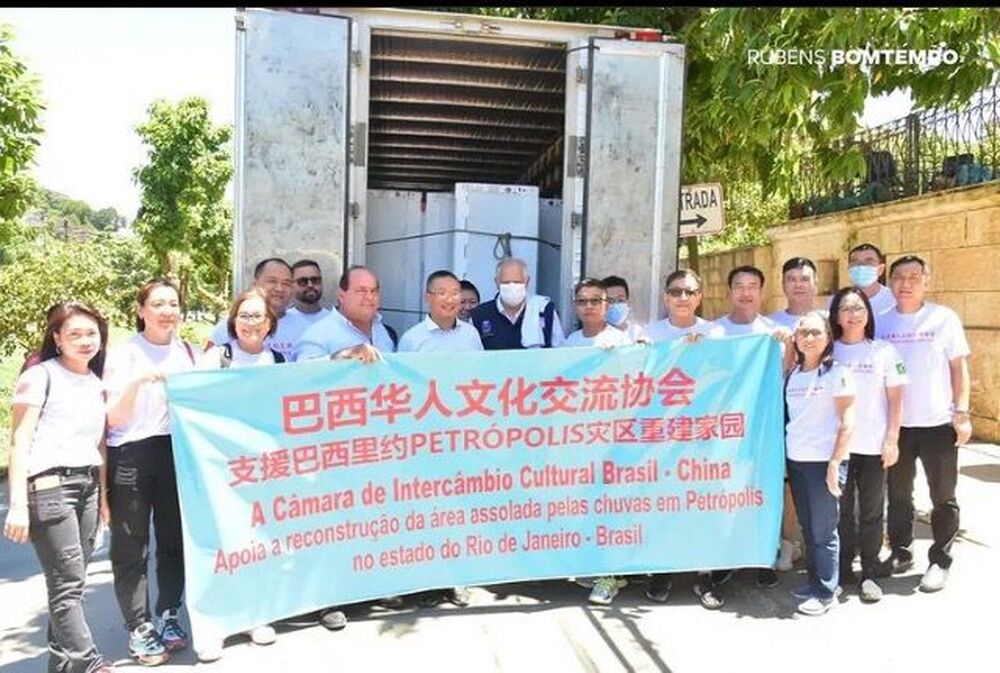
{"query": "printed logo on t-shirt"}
pixel 900 368
pixel 910 337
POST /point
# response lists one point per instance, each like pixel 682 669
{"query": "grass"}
pixel 10 366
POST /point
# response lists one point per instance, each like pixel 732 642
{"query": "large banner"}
pixel 326 483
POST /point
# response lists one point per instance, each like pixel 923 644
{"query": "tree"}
pixel 183 218
pixel 20 107
pixel 105 273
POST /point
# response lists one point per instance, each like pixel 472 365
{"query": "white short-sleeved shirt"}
pixel 875 366
pixel 427 335
pixel 212 358
pixel 310 318
pixel 760 325
pixel 664 330
pixel 790 320
pixel 927 340
pixel 71 422
pixel 606 338
pixel 335 333
pixel 881 302
pixel 811 432
pixel 130 360
pixel 291 326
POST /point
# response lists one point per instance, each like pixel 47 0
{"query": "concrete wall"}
pixel 956 231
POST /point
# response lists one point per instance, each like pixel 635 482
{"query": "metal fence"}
pixel 926 151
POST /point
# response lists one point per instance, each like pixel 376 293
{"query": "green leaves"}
pixel 183 218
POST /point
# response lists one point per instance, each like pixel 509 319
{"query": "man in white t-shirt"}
pixel 746 296
pixel 798 283
pixel 273 276
pixel 308 281
pixel 591 301
pixel 866 264
pixel 931 340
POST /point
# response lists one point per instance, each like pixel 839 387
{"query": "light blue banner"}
pixel 326 483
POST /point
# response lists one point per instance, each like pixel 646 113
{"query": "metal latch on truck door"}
pixel 577 154
pixel 357 140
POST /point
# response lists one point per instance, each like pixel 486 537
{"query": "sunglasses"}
pixel 681 292
pixel 810 331
pixel 307 280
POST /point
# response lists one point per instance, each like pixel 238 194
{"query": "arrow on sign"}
pixel 697 222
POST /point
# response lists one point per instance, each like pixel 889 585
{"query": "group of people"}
pixel 875 383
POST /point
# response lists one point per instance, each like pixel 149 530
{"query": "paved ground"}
pixel 549 627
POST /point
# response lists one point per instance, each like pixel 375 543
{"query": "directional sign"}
pixel 701 210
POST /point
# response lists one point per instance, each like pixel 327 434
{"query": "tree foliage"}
pixel 20 107
pixel 104 272
pixel 183 218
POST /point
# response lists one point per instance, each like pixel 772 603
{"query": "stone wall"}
pixel 956 231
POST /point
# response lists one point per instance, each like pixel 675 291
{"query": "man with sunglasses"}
pixel 681 298
pixel 308 281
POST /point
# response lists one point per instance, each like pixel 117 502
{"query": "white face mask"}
pixel 513 294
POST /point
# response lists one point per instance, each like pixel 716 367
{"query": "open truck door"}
pixel 624 161
pixel 292 140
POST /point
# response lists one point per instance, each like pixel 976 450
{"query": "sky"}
pixel 100 69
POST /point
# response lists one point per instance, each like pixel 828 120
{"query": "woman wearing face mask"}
pixel 55 486
pixel 250 322
pixel 819 399
pixel 141 477
pixel 879 374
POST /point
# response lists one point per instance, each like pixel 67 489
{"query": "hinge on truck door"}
pixel 575 220
pixel 577 155
pixel 357 140
pixel 356 58
pixel 355 210
pixel 581 74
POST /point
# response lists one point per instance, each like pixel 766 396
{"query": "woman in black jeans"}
pixel 55 492
pixel 141 478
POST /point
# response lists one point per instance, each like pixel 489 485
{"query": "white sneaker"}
pixel 934 579
pixel 784 562
pixel 263 635
pixel 211 651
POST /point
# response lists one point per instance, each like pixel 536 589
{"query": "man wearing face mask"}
pixel 618 307
pixel 514 319
pixel 866 268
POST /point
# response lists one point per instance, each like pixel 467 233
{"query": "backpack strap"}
pixel 190 352
pixel 547 321
pixel 278 357
pixel 226 359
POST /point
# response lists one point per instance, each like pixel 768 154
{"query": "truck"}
pixel 410 140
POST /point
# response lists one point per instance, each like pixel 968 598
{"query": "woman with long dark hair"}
pixel 141 479
pixel 55 476
pixel 819 398
pixel 879 374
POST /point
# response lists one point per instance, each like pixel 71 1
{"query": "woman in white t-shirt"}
pixel 250 322
pixel 819 399
pixel 879 374
pixel 55 483
pixel 142 481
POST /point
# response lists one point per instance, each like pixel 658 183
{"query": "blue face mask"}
pixel 617 313
pixel 863 276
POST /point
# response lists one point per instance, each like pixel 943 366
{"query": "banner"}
pixel 325 483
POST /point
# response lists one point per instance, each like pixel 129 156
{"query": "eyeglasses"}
pixel 681 292
pixel 590 301
pixel 810 331
pixel 251 317
pixel 446 295
pixel 309 280
pixel 855 308
pixel 617 301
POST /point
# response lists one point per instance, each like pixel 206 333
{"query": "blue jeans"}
pixel 819 514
